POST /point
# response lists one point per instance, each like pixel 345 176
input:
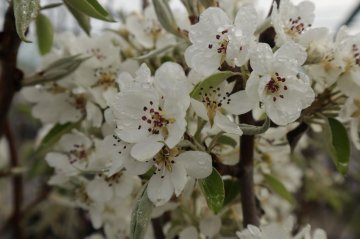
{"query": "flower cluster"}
pixel 144 113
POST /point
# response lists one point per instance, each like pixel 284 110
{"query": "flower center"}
pixel 97 53
pixel 106 78
pixel 296 26
pixel 155 119
pixel 214 99
pixel 275 86
pixel 56 88
pixel 78 154
pixel 356 54
pixel 165 159
pixel 222 42
pixel 152 27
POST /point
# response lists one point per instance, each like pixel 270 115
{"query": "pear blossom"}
pixel 154 115
pixel 275 231
pixel 172 169
pixel 74 155
pixel 293 23
pixel 219 99
pixel 216 39
pixel 278 83
pixel 148 31
pixel 103 189
pixel 351 112
pixel 348 54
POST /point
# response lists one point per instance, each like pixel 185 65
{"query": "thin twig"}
pixel 17 183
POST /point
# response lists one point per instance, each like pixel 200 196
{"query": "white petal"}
pixel 240 103
pixel 261 58
pixel 189 233
pixel 147 148
pixel 93 114
pixel 170 80
pixel 124 187
pixel 199 109
pixel 224 123
pixel 135 167
pixel 319 234
pixel 176 132
pixel 197 164
pixel 291 53
pixel 203 60
pixel 210 21
pixel 210 226
pixel 246 19
pixel 160 189
pixel 178 177
pixel 99 190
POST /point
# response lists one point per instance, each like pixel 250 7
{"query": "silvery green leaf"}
pixel 56 70
pixel 165 16
pixel 252 129
pixel 155 52
pixel 141 215
pixel 191 7
pixel 25 11
pixel 82 19
pixel 91 8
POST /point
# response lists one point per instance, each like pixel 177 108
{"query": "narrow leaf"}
pixel 155 52
pixel 213 190
pixel 253 129
pixel 338 144
pixel 223 139
pixel 25 11
pixel 165 16
pixel 56 70
pixel 45 34
pixel 51 5
pixel 82 19
pixel 91 8
pixel 277 186
pixel 211 81
pixel 141 215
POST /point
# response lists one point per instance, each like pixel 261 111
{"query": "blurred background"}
pixel 338 211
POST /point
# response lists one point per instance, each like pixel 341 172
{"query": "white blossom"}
pixel 217 39
pixel 278 83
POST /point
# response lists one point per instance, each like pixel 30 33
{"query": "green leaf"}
pixel 82 19
pixel 338 144
pixel 210 82
pixel 253 129
pixel 213 190
pixel 45 34
pixel 25 11
pixel 277 186
pixel 53 136
pixel 56 70
pixel 223 139
pixel 155 53
pixel 51 6
pixel 141 215
pixel 91 8
pixel 232 190
pixel 165 16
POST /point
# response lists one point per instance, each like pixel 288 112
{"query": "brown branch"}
pixel 10 76
pixel 17 183
pixel 158 228
pixel 245 174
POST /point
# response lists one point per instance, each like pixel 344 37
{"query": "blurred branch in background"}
pixel 352 16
